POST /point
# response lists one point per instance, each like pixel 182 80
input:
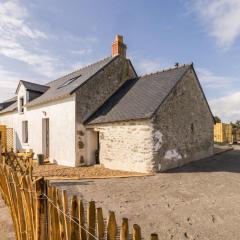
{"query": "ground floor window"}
pixel 25 131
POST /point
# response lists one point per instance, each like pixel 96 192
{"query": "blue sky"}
pixel 42 40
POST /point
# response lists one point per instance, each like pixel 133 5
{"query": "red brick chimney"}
pixel 118 47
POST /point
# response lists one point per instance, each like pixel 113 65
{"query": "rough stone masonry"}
pixel 180 131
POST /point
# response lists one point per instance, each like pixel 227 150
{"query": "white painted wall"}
pixel 22 93
pixel 61 116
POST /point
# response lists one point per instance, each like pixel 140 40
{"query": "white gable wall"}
pixel 61 116
pixel 22 93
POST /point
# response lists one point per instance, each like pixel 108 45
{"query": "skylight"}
pixel 69 82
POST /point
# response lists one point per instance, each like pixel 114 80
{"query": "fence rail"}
pixel 41 211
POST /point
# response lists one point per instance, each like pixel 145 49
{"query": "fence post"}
pixel 13 200
pixel 83 235
pixel 60 215
pixel 55 219
pixel 91 218
pixel 136 232
pixel 100 224
pixel 1 158
pixel 66 219
pixel 124 229
pixel 41 210
pixel 74 227
pixel 112 226
pixel 50 214
pixel 154 236
pixel 20 207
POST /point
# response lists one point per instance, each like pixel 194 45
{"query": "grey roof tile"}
pixel 10 108
pixel 59 87
pixel 7 103
pixel 138 98
pixel 34 86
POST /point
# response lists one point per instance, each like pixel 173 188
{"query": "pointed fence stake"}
pixel 154 236
pixel 100 224
pixel 136 232
pixel 91 218
pixel 112 226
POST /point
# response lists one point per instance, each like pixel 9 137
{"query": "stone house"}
pixel 105 113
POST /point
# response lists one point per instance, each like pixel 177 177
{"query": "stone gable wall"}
pixel 183 127
pixel 93 94
pixel 127 145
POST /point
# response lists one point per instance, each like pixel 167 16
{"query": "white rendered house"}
pixel 105 113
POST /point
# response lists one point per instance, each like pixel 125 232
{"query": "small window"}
pixel 21 105
pixel 69 82
pixel 25 131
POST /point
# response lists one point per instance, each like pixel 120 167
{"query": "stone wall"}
pixel 183 126
pixel 126 145
pixel 93 94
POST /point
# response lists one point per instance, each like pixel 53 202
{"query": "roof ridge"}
pixel 87 66
pixel 166 70
pixel 33 83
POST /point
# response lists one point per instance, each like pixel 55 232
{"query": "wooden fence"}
pixel 41 212
pixel 6 138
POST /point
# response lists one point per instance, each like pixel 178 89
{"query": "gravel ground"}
pixel 198 201
pixel 57 171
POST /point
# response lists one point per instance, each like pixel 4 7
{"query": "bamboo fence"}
pixel 41 211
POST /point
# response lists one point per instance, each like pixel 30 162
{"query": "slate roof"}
pixel 138 98
pixel 33 86
pixel 60 87
pixel 10 108
pixel 63 86
pixel 8 105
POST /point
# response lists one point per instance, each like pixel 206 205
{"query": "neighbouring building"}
pixel 105 113
pixel 236 136
pixel 223 133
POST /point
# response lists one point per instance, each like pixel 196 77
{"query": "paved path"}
pixel 6 226
pixel 198 201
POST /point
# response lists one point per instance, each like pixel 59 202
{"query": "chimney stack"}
pixel 118 47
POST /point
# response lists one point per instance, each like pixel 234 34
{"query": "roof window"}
pixel 69 81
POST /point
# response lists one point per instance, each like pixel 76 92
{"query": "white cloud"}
pixel 221 19
pixel 13 18
pixel 17 37
pixel 8 83
pixel 211 80
pixel 227 107
pixel 81 52
pixel 146 65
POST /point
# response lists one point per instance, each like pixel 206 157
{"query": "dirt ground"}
pixel 198 201
pixel 56 171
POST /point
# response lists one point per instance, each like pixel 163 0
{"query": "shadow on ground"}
pixel 225 162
